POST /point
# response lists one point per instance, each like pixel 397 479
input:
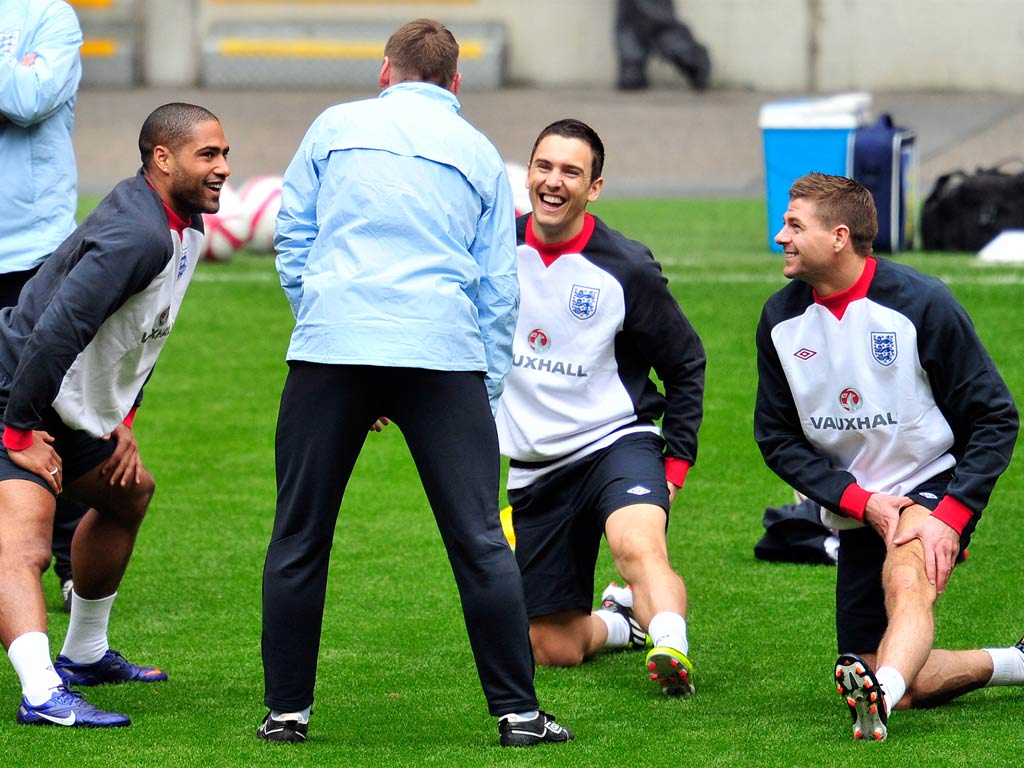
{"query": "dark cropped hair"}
pixel 570 128
pixel 839 200
pixel 171 126
pixel 424 50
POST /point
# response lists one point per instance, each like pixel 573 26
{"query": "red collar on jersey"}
pixel 175 221
pixel 548 253
pixel 838 302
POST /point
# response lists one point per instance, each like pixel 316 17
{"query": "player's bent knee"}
pixel 908 580
pixel 557 656
pixel 141 493
pixel 553 646
pixel 129 504
pixel 34 557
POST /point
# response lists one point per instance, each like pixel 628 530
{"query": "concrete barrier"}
pixel 312 54
pixel 766 45
pixel 110 45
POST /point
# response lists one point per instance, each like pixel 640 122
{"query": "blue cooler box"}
pixel 805 135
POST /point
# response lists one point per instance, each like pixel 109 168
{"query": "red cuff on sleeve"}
pixel 854 500
pixel 130 417
pixel 17 439
pixel 953 513
pixel 675 471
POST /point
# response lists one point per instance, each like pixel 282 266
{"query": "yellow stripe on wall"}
pixel 91 3
pixel 318 49
pixel 339 2
pixel 99 48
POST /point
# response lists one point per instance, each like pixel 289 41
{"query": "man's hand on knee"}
pixel 882 513
pixel 941 545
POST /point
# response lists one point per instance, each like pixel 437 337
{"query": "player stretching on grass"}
pixel 578 420
pixel 876 399
pixel 74 355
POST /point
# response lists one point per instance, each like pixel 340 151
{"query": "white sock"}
pixel 622 595
pixel 301 716
pixel 30 655
pixel 893 684
pixel 520 717
pixel 86 641
pixel 669 629
pixel 1007 666
pixel 618 628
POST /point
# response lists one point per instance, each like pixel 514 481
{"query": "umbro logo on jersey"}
pixel 928 495
pixel 638 490
pixel 804 353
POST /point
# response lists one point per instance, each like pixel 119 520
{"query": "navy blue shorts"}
pixel 559 520
pixel 860 600
pixel 79 451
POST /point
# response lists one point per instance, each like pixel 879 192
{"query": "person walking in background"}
pixel 396 251
pixel 862 407
pixel 578 420
pixel 40 69
pixel 75 353
pixel 643 27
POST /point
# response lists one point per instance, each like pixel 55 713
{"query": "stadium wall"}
pixel 766 45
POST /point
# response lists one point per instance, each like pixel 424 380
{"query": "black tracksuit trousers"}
pixel 326 412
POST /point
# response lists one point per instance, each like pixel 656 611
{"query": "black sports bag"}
pixel 964 212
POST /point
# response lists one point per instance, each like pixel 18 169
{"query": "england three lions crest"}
pixel 583 301
pixel 883 347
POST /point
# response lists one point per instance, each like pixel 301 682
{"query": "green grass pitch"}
pixel 396 684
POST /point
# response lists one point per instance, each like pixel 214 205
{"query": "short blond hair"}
pixel 839 200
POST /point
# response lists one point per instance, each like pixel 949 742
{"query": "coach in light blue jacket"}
pixel 39 74
pixel 396 241
pixel 396 250
pixel 40 70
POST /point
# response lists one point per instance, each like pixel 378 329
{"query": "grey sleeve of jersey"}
pixel 104 273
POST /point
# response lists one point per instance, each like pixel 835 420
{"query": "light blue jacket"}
pixel 396 239
pixel 39 191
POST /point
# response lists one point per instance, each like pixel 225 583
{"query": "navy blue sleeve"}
pixel 971 395
pixel 777 430
pixel 657 334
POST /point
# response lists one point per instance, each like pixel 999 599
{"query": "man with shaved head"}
pixel 74 354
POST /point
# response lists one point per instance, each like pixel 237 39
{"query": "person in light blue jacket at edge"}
pixel 40 70
pixel 396 251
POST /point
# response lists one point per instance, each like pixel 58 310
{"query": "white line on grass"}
pixel 232 277
pixel 754 277
pixel 689 277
